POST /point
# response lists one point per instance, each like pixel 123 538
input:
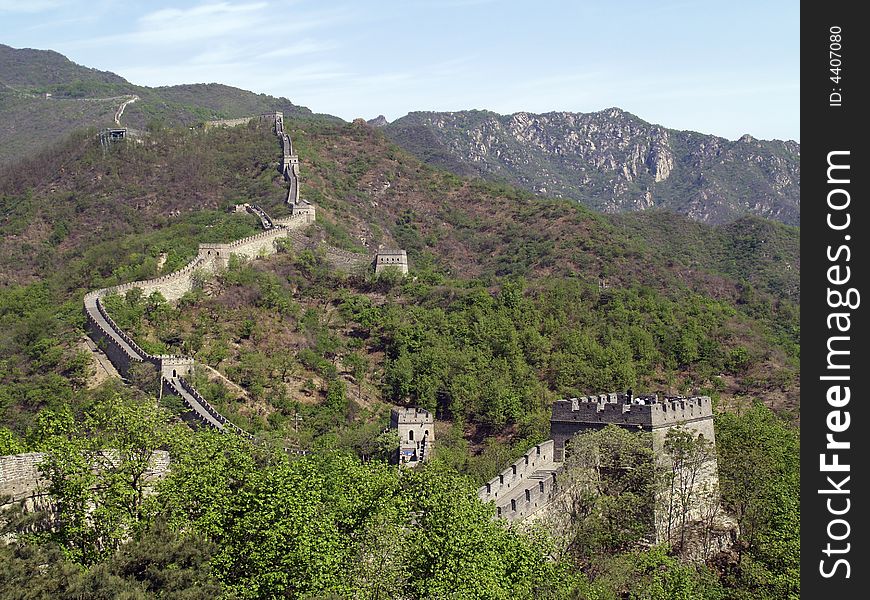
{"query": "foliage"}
pixel 98 468
pixel 611 476
pixel 513 303
pixel 760 471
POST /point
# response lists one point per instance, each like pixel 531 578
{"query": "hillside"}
pixel 81 97
pixel 29 68
pixel 79 218
pixel 514 301
pixel 612 161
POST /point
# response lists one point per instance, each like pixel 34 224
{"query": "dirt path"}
pixel 215 374
pixel 121 108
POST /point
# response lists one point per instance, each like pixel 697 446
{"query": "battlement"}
pixel 391 258
pixel 647 412
pixel 416 429
pixel 641 413
pixel 525 486
pixel 228 122
pixel 415 415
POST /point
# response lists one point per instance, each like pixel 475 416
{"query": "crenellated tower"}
pixel 416 428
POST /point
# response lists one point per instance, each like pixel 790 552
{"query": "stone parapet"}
pixel 538 458
pixel 391 259
pixel 643 413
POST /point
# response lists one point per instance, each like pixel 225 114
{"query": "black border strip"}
pixel 834 244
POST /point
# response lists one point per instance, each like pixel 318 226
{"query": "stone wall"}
pixel 173 286
pixel 391 259
pixel 123 351
pixel 21 479
pixel 295 221
pixel 416 429
pixel 258 245
pixel 19 475
pixel 228 122
pixel 524 486
pixel 533 486
pixel 108 344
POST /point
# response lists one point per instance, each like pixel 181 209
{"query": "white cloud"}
pixel 298 48
pixel 207 21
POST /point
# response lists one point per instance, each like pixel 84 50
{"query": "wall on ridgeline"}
pixel 524 487
pixel 227 122
pixel 538 457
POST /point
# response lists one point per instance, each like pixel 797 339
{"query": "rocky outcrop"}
pixel 379 121
pixel 613 161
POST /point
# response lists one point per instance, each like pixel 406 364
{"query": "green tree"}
pixel 358 366
pixel 688 459
pixel 759 469
pixel 97 472
pixel 609 476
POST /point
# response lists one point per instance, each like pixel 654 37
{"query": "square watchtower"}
pixel 416 428
pixel 638 413
pixel 392 258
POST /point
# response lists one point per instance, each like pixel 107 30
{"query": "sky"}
pixel 723 68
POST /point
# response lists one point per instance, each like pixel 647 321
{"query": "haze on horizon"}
pixel 720 68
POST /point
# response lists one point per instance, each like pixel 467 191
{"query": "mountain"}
pixel 513 300
pixel 77 218
pixel 44 97
pixel 612 161
pixel 43 68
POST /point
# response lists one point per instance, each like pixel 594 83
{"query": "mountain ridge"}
pixel 609 160
pixel 612 161
pixel 45 87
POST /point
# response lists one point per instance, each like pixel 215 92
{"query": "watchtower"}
pixel 109 135
pixel 416 427
pixel 638 413
pixel 391 258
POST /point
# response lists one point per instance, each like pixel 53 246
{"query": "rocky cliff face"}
pixel 613 161
pixel 379 121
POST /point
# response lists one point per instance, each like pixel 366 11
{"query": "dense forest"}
pixel 513 302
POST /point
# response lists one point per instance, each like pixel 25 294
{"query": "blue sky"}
pixel 725 68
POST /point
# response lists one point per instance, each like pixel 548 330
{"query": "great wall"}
pixel 22 481
pixel 123 351
pixel 537 487
pixel 527 490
